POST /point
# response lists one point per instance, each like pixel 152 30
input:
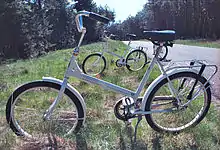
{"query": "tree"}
pixel 11 37
pixel 38 26
pixel 88 5
pixel 190 18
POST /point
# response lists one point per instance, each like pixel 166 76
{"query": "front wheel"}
pixel 163 54
pixel 27 105
pixel 136 60
pixel 180 118
pixel 94 64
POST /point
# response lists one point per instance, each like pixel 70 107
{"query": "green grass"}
pixel 102 130
pixel 201 43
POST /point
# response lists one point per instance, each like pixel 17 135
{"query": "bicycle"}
pixel 176 100
pixel 133 59
pixel 163 54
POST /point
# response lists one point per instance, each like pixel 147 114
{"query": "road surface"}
pixel 184 52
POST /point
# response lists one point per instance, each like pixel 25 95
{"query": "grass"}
pixel 102 130
pixel 201 43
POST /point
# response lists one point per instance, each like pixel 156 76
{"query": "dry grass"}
pixel 102 130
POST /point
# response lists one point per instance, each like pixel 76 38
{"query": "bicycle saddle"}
pixel 114 37
pixel 131 35
pixel 160 36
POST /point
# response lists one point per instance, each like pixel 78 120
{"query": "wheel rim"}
pixel 184 117
pixel 162 53
pixel 94 65
pixel 28 110
pixel 136 60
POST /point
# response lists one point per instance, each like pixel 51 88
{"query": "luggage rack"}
pixel 202 66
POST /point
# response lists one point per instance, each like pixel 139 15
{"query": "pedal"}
pixel 147 62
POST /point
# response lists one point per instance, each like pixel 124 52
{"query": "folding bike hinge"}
pixel 76 51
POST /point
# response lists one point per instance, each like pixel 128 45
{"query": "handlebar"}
pixel 109 35
pixel 97 17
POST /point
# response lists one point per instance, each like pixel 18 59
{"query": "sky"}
pixel 123 8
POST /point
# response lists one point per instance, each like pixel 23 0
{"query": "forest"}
pixel 30 28
pixel 191 19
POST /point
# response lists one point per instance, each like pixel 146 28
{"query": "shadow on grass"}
pixel 81 143
pixel 156 142
pixel 127 140
pixel 54 143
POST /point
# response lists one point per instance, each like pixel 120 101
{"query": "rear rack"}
pixel 202 66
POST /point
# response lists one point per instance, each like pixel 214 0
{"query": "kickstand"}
pixel 135 131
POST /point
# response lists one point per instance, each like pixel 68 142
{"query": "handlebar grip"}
pixel 99 18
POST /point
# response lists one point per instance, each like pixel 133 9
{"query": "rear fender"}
pixel 159 79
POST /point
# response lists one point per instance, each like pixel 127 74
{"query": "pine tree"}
pixel 11 37
pixel 90 25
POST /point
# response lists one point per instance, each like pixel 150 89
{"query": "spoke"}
pixel 157 105
pixel 196 94
pixel 25 108
pixel 164 98
pixel 96 62
pixel 71 119
pixel 183 117
pixel 25 117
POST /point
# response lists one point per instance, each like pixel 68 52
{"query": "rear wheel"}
pixel 182 117
pixel 94 64
pixel 27 105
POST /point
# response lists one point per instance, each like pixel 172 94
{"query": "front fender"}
pixel 159 79
pixel 72 89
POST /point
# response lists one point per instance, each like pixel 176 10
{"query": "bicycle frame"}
pixel 73 70
pixel 105 49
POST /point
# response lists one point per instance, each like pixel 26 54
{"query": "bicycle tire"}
pixel 161 58
pixel 17 99
pixel 197 119
pixel 138 52
pixel 89 57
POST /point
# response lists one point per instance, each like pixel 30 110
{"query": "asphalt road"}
pixel 184 52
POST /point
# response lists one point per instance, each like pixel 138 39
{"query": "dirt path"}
pixel 184 52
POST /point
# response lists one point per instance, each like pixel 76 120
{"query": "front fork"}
pixel 50 110
pixel 72 64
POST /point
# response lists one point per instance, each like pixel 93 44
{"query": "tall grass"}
pixel 201 43
pixel 103 130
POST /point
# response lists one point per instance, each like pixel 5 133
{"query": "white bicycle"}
pixel 133 59
pixel 176 100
